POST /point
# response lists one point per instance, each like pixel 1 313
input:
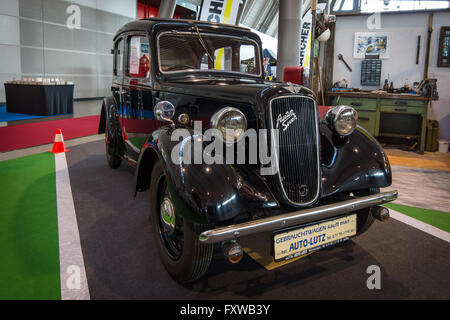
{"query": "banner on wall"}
pixel 305 35
pixel 221 11
pixel 305 39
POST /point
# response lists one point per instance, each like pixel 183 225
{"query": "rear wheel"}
pixel 365 217
pixel 112 158
pixel 182 254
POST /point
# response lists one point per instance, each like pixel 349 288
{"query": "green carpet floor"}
pixel 435 218
pixel 138 142
pixel 29 251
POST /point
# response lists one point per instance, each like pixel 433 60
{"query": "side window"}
pixel 138 57
pixel 247 58
pixel 118 57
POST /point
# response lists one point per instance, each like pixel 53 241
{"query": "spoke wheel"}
pixel 170 225
pixel 176 238
pixel 112 158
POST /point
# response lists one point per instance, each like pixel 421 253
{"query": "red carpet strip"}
pixel 38 133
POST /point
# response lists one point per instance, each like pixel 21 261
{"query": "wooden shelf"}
pixel 367 94
pixel 398 135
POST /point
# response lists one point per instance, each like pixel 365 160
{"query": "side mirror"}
pixel 164 111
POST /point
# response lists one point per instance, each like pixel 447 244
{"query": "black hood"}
pixel 241 90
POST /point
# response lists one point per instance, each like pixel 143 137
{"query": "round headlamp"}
pixel 343 119
pixel 231 122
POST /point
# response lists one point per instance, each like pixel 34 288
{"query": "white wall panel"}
pixel 31 33
pixel 34 40
pixel 9 30
pixel 9 59
pixel 9 7
pixel 123 7
pixel 31 9
pixel 85 86
pixel 32 60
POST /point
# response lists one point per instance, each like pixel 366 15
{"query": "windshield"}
pixel 187 51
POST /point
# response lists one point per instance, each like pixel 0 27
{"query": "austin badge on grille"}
pixel 286 120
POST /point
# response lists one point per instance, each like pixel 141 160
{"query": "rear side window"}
pixel 118 57
pixel 138 57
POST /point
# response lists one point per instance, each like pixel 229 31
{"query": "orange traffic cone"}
pixel 125 137
pixel 58 145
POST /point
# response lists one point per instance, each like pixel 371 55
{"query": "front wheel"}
pixel 182 254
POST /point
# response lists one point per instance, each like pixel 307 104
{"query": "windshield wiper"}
pixel 203 45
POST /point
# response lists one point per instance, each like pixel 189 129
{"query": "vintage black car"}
pixel 171 74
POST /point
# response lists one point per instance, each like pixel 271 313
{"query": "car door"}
pixel 137 117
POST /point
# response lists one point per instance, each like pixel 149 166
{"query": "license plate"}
pixel 289 244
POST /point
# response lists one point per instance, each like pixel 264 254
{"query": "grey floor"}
pixel 423 188
pixel 122 261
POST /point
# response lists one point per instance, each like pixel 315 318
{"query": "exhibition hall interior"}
pixel 224 150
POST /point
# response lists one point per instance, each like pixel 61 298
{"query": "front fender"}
pixel 205 193
pixel 219 192
pixel 352 163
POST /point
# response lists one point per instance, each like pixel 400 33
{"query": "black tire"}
pixel 112 158
pixel 182 254
pixel 365 217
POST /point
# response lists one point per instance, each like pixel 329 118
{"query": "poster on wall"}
pixel 221 11
pixel 371 43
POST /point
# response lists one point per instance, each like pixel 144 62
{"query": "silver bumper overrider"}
pixel 295 218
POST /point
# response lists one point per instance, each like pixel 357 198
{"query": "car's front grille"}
pixel 298 176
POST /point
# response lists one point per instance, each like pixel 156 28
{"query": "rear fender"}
pixel 108 105
pixel 110 115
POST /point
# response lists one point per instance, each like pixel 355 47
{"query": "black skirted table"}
pixel 39 99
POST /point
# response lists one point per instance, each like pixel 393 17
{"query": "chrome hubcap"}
pixel 168 216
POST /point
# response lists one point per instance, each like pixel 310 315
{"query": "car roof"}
pixel 146 25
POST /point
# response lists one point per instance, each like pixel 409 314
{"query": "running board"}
pixel 295 218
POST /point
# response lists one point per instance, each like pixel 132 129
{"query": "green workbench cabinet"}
pixel 388 115
pixel 368 120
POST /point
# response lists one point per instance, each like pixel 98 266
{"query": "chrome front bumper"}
pixel 295 218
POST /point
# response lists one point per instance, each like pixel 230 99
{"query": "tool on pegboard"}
pixel 341 57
